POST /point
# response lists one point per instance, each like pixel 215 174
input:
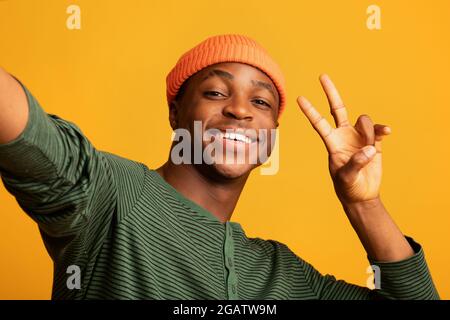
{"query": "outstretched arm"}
pixel 13 108
pixel 51 168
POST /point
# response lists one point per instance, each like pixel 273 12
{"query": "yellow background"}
pixel 109 78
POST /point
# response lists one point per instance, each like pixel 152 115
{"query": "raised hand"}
pixel 354 151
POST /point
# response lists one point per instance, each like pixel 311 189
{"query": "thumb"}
pixel 358 161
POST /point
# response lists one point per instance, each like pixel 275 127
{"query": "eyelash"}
pixel 268 105
pixel 263 102
pixel 209 92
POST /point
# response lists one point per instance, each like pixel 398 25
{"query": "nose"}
pixel 239 109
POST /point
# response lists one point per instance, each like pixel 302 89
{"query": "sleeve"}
pixel 59 179
pixel 408 279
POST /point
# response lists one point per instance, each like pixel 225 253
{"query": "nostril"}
pixel 237 113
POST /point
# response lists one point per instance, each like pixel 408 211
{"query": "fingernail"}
pixel 369 151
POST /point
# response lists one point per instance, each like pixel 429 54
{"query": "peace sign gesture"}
pixel 354 152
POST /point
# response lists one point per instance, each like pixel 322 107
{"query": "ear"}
pixel 173 114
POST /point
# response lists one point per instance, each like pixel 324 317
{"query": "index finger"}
pixel 338 110
pixel 319 123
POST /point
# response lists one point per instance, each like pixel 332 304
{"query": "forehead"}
pixel 237 69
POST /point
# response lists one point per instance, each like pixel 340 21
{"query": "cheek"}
pixel 197 112
pixel 205 109
pixel 269 132
pixel 268 121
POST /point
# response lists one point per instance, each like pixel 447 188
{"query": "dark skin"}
pixel 240 100
pixel 224 95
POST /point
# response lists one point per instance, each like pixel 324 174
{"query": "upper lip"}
pixel 239 130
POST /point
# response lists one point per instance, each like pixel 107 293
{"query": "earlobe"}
pixel 173 114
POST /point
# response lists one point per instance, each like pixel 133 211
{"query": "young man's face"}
pixel 229 96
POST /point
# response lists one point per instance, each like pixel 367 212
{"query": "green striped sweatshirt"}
pixel 133 236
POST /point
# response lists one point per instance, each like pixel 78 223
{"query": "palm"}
pixel 343 143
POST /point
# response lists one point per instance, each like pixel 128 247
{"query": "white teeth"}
pixel 237 136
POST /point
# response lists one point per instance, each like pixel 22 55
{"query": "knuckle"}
pixel 317 120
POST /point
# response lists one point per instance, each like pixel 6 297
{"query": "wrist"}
pixel 362 206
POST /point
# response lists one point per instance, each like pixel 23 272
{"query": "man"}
pixel 138 233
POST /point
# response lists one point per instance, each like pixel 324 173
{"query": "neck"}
pixel 217 195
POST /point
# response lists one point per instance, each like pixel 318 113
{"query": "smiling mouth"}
pixel 235 137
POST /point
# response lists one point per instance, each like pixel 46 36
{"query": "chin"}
pixel 232 171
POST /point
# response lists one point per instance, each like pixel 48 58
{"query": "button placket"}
pixel 230 262
pixel 231 280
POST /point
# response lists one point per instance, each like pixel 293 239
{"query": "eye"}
pixel 262 102
pixel 213 94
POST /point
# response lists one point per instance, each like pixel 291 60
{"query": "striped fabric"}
pixel 133 236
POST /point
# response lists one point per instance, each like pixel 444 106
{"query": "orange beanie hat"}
pixel 225 48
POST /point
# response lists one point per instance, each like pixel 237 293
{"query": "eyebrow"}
pixel 229 76
pixel 220 73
